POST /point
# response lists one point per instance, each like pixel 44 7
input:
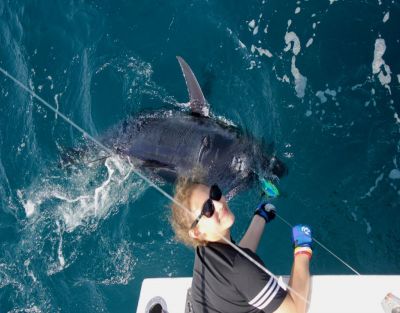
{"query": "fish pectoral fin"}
pixel 198 102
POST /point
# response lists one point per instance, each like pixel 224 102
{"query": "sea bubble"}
pixel 394 174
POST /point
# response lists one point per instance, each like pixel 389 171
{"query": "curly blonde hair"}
pixel 181 219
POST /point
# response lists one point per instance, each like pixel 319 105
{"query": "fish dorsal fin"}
pixel 198 103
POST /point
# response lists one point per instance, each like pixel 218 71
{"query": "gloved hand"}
pixel 266 210
pixel 301 236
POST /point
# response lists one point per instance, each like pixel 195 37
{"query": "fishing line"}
pixel 142 176
pixel 321 245
pixel 270 191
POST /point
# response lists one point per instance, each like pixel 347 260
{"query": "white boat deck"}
pixel 330 293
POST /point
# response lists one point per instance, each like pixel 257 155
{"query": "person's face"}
pixel 210 228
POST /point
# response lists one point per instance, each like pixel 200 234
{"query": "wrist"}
pixel 266 211
pixel 261 214
pixel 303 252
pixel 259 218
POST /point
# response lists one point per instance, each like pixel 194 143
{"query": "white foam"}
pixel 386 17
pixel 100 69
pixel 57 104
pixel 369 228
pixel 261 51
pixel 241 44
pixel 377 180
pixel 225 121
pixel 288 155
pixel 102 192
pixel 330 92
pixel 59 251
pixel 77 207
pixel 308 113
pixel 356 87
pixel 385 78
pixel 32 275
pixel 51 82
pixel 255 30
pixel 394 174
pixel 332 1
pixel 398 78
pixel 30 309
pixel 253 64
pixel 291 37
pixel 123 263
pixel 285 79
pixel 21 147
pixel 29 207
pixel 396 117
pixel 321 95
pixel 309 42
pixel 27 262
pixel 252 23
pixel 299 80
pixel 378 64
pixel 297 11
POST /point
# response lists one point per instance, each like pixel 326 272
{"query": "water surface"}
pixel 318 80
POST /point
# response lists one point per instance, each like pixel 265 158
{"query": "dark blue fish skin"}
pixel 171 143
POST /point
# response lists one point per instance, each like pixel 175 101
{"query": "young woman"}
pixel 223 279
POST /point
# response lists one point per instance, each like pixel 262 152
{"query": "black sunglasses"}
pixel 208 206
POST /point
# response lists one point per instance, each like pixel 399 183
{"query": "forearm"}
pixel 300 282
pixel 253 234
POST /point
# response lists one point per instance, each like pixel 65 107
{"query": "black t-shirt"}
pixel 225 281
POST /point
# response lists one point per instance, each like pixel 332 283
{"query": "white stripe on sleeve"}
pixel 266 295
pixel 257 298
pixel 271 297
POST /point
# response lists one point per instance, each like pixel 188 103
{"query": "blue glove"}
pixel 301 236
pixel 266 210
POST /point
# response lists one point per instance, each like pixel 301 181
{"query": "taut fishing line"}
pixel 151 183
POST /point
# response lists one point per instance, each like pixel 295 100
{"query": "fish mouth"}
pixel 274 167
pixel 278 168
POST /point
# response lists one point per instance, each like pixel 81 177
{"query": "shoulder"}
pixel 247 259
pixel 217 250
pixel 223 257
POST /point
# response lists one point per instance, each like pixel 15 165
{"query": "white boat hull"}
pixel 329 294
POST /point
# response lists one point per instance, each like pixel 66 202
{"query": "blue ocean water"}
pixel 318 80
